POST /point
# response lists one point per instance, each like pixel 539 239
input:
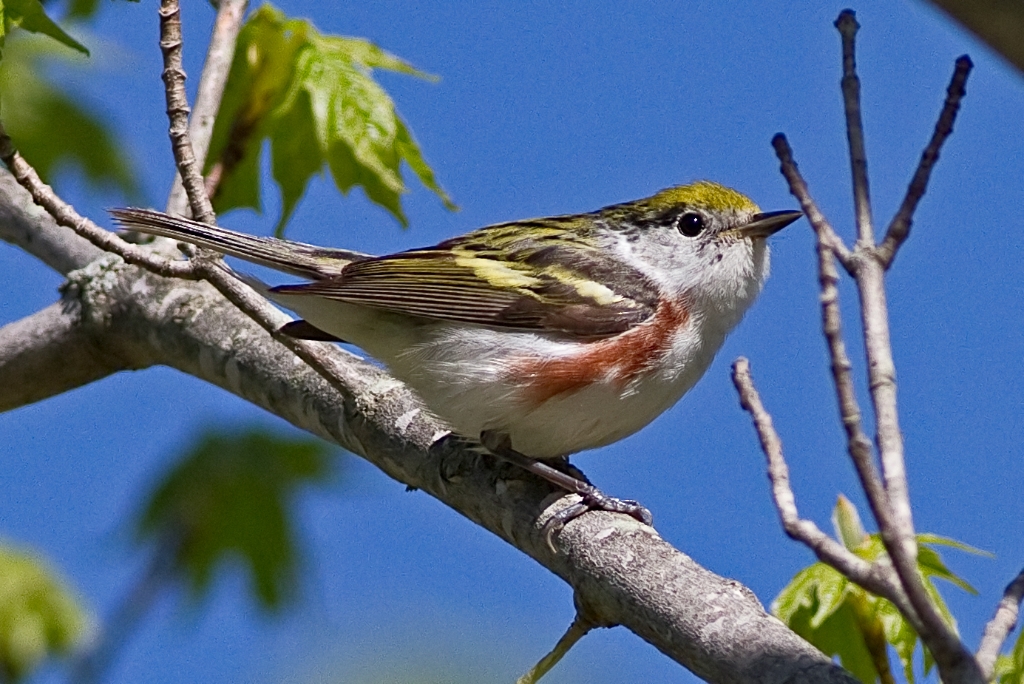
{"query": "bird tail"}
pixel 297 258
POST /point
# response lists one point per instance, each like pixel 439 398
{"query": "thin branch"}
pixel 798 188
pixel 893 514
pixel 899 229
pixel 213 270
pixel 660 594
pixel 211 88
pixel 897 529
pixel 1000 626
pixel 857 443
pixel 847 25
pixel 579 628
pixel 28 226
pixel 875 577
pixel 177 111
pixel 207 265
pixel 65 215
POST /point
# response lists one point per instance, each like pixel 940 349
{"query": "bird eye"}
pixel 690 224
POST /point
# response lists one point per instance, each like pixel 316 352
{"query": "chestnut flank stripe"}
pixel 621 358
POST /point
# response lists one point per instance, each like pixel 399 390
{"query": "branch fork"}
pixel 886 487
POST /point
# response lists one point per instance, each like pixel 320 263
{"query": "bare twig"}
pixel 876 578
pixel 207 265
pixel 178 110
pixel 798 187
pixel 899 229
pixel 894 522
pixel 211 87
pixel 317 355
pixel 847 25
pixel 890 500
pixel 858 444
pixel 579 628
pixel 64 214
pixel 1000 626
pixel 25 224
pixel 898 530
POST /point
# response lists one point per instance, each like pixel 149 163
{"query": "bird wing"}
pixel 537 276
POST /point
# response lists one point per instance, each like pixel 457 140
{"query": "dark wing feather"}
pixel 550 280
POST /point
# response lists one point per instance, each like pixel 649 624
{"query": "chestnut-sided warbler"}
pixel 543 337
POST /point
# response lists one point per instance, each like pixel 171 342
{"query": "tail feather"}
pixel 297 258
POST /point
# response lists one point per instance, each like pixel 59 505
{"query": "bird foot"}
pixel 592 498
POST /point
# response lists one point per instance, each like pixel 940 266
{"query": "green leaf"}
pixel 930 564
pixel 802 592
pixel 313 97
pixel 52 130
pixel 900 634
pixel 938 540
pixel 30 15
pixel 39 616
pixel 812 605
pixel 296 158
pixel 833 630
pixel 231 498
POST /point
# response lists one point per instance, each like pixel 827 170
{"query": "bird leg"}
pixel 500 445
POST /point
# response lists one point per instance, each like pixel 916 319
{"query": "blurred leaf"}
pixel 1010 668
pixel 39 617
pixel 51 129
pixel 313 97
pixel 82 9
pixel 847 524
pixel 30 15
pixel 85 9
pixel 840 618
pixel 231 496
pixel 1000 23
pixel 899 634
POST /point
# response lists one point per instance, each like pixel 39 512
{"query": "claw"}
pixel 593 499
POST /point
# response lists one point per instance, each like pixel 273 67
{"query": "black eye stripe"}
pixel 690 224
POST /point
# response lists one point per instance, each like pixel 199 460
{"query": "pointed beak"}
pixel 766 224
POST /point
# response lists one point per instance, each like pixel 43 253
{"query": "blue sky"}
pixel 545 109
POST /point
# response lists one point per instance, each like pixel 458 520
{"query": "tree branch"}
pixel 49 353
pixel 173 76
pixel 899 229
pixel 1000 626
pixel 869 274
pixel 625 571
pixel 857 443
pixel 890 500
pixel 798 187
pixel 211 88
pixel 876 578
pixel 850 84
pixel 65 215
pixel 26 225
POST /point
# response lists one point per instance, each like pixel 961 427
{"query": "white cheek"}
pixel 679 270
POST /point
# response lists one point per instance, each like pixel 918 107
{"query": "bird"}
pixel 538 338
